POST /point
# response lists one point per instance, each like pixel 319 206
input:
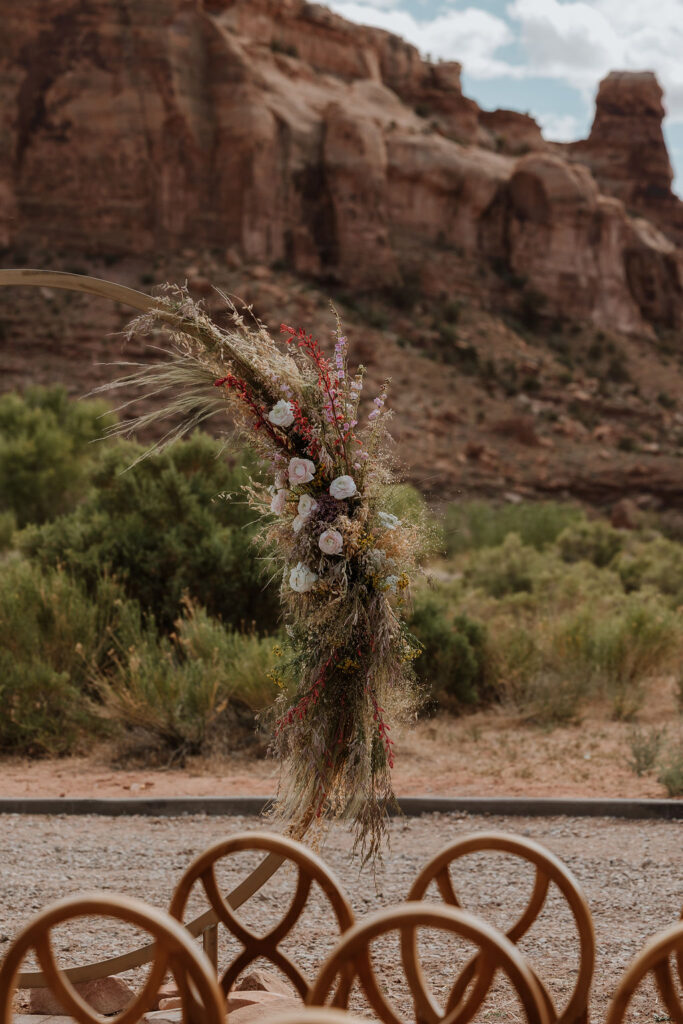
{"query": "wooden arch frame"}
pixel 206 923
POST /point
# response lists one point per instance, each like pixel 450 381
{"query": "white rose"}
pixel 389 521
pixel 298 522
pixel 282 414
pixel 301 579
pixel 343 487
pixel 306 505
pixel 301 471
pixel 331 542
pixel 278 502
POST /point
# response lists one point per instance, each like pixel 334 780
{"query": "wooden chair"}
pixel 310 869
pixel 663 957
pixel 315 1015
pixel 174 950
pixel 548 868
pixel 350 960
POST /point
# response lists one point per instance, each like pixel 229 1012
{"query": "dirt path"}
pixel 630 872
pixel 485 754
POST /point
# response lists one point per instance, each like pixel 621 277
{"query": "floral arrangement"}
pixel 344 560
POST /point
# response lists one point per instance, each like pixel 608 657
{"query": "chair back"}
pixel 310 868
pixel 174 950
pixel 548 868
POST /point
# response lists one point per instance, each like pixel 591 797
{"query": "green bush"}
pixel 46 615
pixel 8 525
pixel 479 524
pixel 42 712
pixel 54 639
pixel 631 647
pixel 46 455
pixel 165 528
pixel 191 692
pixel 595 542
pixel 452 662
pixel 656 563
pixel 645 748
pixel 671 771
pixel 507 569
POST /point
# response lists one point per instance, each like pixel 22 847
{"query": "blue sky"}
pixel 545 57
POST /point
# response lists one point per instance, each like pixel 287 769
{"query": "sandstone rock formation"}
pixel 626 151
pixel 279 131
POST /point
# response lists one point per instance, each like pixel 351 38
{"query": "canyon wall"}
pixel 290 136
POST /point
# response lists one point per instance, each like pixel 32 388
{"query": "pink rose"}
pixel 307 504
pixel 301 471
pixel 331 542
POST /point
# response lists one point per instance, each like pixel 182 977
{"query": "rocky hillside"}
pixel 527 297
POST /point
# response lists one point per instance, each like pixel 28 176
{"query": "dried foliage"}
pixel 345 562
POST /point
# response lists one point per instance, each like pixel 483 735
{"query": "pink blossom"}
pixel 331 542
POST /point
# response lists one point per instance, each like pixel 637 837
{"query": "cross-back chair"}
pixel 351 960
pixel 548 869
pixel 174 951
pixel 310 868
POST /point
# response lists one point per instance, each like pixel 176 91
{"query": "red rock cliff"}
pixel 284 131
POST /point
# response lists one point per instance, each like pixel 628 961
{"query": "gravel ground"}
pixel 631 873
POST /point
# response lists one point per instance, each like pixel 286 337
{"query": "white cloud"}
pixel 470 35
pixel 560 127
pixel 579 42
pixel 573 41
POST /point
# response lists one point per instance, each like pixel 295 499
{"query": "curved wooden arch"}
pixel 310 868
pixel 549 868
pixel 173 948
pixel 135 958
pixel 78 283
pixel 350 959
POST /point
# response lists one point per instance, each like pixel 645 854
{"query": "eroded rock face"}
pixel 626 151
pixel 281 132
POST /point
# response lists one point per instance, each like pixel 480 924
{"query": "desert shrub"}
pixel 478 524
pixel 559 633
pixel 42 711
pixel 645 748
pixel 507 569
pixel 452 662
pixel 191 691
pixel 46 455
pixel 657 563
pixel 671 770
pixel 629 648
pixel 164 528
pixel 513 659
pixel 553 697
pixel 595 542
pixel 48 616
pixel 8 525
pixel 53 640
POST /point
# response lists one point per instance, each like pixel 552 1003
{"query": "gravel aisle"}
pixel 631 872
